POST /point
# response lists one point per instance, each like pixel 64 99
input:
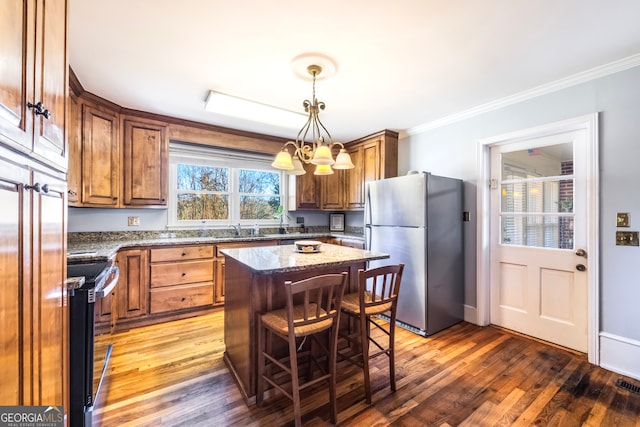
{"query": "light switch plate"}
pixel 134 220
pixel 622 219
pixel 627 238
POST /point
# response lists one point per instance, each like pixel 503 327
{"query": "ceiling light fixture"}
pixel 319 151
pixel 228 105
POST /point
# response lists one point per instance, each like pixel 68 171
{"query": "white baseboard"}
pixel 471 315
pixel 620 355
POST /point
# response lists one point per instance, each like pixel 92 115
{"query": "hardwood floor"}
pixel 173 375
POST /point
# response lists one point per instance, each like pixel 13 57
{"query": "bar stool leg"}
pixel 364 343
pixel 295 386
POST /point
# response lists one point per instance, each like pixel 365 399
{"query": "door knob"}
pixel 581 267
pixel 581 252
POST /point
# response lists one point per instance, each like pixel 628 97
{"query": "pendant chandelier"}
pixel 319 151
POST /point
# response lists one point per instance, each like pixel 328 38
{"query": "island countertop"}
pixel 281 259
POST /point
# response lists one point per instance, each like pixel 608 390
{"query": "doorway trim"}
pixel 588 123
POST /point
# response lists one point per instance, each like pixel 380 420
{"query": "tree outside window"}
pixel 223 190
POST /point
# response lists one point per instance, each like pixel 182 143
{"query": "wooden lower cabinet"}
pixel 132 289
pixel 158 284
pixel 181 278
pixel 220 264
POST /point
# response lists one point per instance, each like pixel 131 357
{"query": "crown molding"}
pixel 573 80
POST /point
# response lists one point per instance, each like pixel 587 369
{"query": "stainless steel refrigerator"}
pixel 417 219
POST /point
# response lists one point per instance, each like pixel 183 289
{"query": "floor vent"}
pixel 403 325
pixel 627 386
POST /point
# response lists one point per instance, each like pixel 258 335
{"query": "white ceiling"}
pixel 400 64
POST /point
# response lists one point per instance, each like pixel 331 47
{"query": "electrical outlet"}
pixel 134 220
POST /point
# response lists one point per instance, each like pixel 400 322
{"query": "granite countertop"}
pixel 279 259
pixel 102 248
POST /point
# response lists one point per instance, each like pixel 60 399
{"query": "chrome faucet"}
pixel 237 229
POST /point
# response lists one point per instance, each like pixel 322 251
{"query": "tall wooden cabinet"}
pixel 33 162
pixel 33 300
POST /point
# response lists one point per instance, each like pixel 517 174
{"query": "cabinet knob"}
pixel 34 187
pixel 39 110
pixel 45 188
pixel 183 299
pixel 184 274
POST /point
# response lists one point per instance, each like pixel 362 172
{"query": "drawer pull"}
pixel 184 254
pixel 183 299
pixel 184 274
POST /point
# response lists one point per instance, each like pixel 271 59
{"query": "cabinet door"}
pixel 49 295
pixel 218 296
pixel 17 22
pixel 14 286
pixel 133 288
pixel 333 190
pixel 145 164
pixel 100 157
pixel 354 180
pixel 370 164
pixel 51 81
pixel 74 176
pixel 308 190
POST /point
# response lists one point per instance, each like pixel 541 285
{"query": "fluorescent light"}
pixel 242 108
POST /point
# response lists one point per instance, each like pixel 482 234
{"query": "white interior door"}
pixel 538 268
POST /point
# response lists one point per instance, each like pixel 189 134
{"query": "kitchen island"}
pixel 254 279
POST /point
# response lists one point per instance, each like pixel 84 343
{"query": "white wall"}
pixel 452 150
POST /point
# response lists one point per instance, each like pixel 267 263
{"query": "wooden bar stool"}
pixel 378 290
pixel 311 316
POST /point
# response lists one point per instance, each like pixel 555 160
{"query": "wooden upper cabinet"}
pixel 34 84
pixel 100 156
pixel 374 156
pixel 332 188
pixel 367 169
pixel 307 190
pixel 145 162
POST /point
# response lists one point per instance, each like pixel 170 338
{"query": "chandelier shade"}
pixel 319 150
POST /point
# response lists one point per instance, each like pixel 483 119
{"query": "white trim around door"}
pixel 588 123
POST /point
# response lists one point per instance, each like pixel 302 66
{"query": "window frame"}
pixel 215 157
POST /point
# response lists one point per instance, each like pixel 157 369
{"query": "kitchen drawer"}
pixel 181 297
pixel 178 273
pixel 181 253
pixel 244 245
